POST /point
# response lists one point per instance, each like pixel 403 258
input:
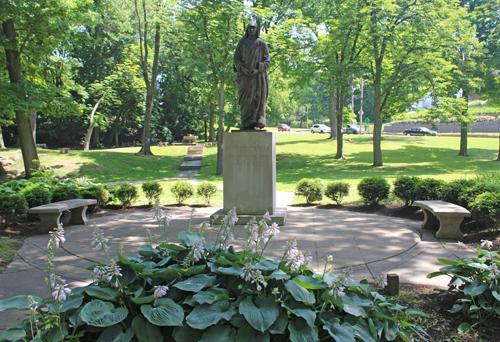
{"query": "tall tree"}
pixel 211 30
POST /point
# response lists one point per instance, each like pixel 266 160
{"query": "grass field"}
pixel 299 155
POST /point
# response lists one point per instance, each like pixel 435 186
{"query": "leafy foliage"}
pixel 336 191
pixel 206 191
pixel 404 189
pixel 199 291
pixel 428 189
pixel 182 190
pixel 373 190
pixel 454 190
pixel 311 189
pixel 36 195
pixel 127 193
pixel 486 208
pixel 98 192
pixel 65 192
pixel 13 206
pixel 152 190
pixel 476 281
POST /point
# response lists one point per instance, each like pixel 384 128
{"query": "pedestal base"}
pixel 279 217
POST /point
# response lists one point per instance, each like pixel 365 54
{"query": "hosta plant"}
pixel 476 281
pixel 202 291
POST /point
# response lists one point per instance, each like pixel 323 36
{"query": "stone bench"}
pixel 50 213
pixel 163 144
pixel 41 145
pixel 445 216
pixel 64 149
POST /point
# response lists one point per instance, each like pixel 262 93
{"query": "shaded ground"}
pixel 441 324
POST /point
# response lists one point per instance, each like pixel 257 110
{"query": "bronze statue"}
pixel 251 61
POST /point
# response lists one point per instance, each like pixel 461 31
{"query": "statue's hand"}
pixel 251 71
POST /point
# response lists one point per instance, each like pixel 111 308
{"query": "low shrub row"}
pixel 480 195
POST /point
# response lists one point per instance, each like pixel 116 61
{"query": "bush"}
pixel 13 206
pixel 454 190
pixel 404 189
pixel 206 191
pixel 486 208
pixel 64 192
pixel 470 194
pixel 182 190
pixel 152 190
pixel 428 189
pixel 210 292
pixel 311 189
pixel 36 195
pixel 97 192
pixel 373 190
pixel 336 191
pixel 127 193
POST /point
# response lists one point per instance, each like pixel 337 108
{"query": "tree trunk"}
pixel 150 96
pixel 117 143
pixel 463 129
pixel 3 173
pixel 114 131
pixel 340 122
pixel 211 137
pixel 14 68
pixel 331 112
pixel 2 144
pixel 32 118
pixel 91 123
pixel 377 115
pixel 498 159
pixel 219 89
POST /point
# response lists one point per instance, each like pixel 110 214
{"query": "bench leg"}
pixel 450 227
pixel 48 222
pixel 78 216
pixel 430 221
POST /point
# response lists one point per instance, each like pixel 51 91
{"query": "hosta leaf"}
pixel 361 328
pixel 233 270
pixel 143 300
pixel 260 315
pixel 196 283
pixel 352 308
pixel 128 274
pixel 187 334
pixel 71 302
pixel 182 272
pixel 463 328
pixel 106 293
pixel 145 331
pixel 205 315
pixel 116 334
pixel 12 335
pixel 165 313
pixel 267 265
pixel 219 333
pixel 280 324
pixel 134 262
pixel 456 308
pixel 190 238
pixel 390 330
pixel 449 262
pixel 310 282
pixel 249 334
pixel 300 331
pixel 209 296
pixel 475 288
pixel 278 275
pixel 340 333
pixel 57 333
pixel 496 295
pixel 19 303
pixel 301 310
pixel 299 293
pixel 102 314
pixel 173 247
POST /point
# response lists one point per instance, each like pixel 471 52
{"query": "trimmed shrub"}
pixel 36 195
pixel 182 190
pixel 454 190
pixel 311 189
pixel 152 190
pixel 65 192
pixel 373 190
pixel 336 191
pixel 206 191
pixel 127 193
pixel 486 208
pixel 13 206
pixel 404 189
pixel 97 192
pixel 428 189
pixel 470 194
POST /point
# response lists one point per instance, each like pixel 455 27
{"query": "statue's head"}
pixel 253 29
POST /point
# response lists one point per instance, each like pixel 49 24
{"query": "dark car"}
pixel 419 131
pixel 283 128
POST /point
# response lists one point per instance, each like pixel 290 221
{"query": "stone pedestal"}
pixel 249 168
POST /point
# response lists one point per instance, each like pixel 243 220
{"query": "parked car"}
pixel 320 128
pixel 283 128
pixel 419 131
pixel 353 129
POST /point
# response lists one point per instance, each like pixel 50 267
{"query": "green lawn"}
pixel 299 155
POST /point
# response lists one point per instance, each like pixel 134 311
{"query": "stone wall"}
pixel 478 127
